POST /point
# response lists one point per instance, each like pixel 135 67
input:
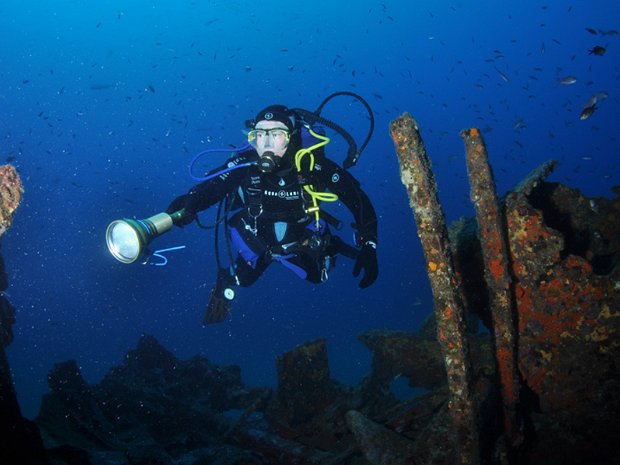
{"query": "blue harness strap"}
pixel 250 257
pixel 298 270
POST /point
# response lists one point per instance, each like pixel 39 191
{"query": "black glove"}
pixel 367 259
pixel 188 202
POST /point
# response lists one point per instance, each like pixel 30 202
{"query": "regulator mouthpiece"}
pixel 268 162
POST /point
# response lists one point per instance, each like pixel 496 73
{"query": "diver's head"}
pixel 275 136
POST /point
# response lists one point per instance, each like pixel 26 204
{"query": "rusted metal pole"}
pixel 418 178
pixel 494 245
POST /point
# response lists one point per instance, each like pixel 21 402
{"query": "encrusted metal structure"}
pixel 418 178
pixel 496 258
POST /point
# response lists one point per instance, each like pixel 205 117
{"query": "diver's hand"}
pixel 188 202
pixel 367 260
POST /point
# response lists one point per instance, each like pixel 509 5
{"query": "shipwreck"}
pixel 517 365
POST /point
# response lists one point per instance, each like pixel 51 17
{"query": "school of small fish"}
pixel 598 50
pixel 506 76
pixel 590 106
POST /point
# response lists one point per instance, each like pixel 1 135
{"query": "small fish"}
pixel 587 112
pixel 600 96
pixel 502 75
pixel 597 50
pixel 591 101
pixel 567 80
pixel 591 30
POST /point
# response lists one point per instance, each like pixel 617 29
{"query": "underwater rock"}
pixel 71 410
pixel 304 384
pixel 309 406
pixel 10 195
pixel 397 353
pixel 273 448
pixel 380 445
pixel 153 406
pixel 7 320
pixel 20 441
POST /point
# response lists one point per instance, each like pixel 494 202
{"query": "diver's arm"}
pixel 213 190
pixel 209 192
pixel 349 191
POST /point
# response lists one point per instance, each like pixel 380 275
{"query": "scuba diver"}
pixel 271 191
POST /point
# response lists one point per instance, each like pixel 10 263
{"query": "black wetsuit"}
pixel 273 222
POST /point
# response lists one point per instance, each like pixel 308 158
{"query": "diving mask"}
pixel 276 139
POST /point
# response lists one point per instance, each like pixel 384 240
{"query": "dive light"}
pixel 127 238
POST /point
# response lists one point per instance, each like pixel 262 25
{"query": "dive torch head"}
pixel 127 238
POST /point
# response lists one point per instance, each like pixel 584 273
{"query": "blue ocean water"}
pixel 104 104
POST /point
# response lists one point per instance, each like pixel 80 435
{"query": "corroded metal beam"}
pixel 418 178
pixel 493 242
pixel 534 178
